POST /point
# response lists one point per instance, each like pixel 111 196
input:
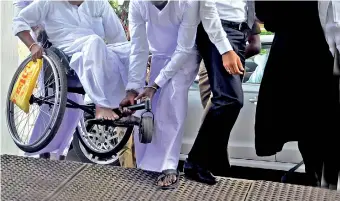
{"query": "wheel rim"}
pixel 21 133
pixel 96 159
pixel 101 139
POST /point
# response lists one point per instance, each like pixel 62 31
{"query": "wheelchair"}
pixel 50 99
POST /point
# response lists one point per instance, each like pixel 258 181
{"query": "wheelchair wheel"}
pixel 90 157
pixel 146 130
pixel 103 140
pixel 33 131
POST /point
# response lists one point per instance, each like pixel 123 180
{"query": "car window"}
pixel 255 66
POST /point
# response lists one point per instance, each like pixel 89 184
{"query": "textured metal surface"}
pixel 109 183
pixel 30 179
pixel 272 191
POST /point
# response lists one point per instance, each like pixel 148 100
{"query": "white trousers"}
pixel 170 106
pixel 332 33
pixel 102 69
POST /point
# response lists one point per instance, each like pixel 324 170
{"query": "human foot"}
pixel 105 113
pixel 169 179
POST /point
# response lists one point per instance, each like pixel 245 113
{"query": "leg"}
pixel 126 157
pixel 204 85
pixel 210 148
pixel 313 161
pixel 98 69
pixel 70 122
pixel 170 109
pixel 331 153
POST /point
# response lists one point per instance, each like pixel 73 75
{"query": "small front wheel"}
pixel 146 130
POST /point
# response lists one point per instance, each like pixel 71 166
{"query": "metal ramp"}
pixel 30 179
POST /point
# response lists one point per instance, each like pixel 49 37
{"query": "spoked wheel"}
pixel 87 156
pixel 103 140
pixel 33 131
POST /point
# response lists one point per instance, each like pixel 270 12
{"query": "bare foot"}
pixel 105 113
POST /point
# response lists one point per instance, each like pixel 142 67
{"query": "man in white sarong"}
pixel 79 28
pixel 168 30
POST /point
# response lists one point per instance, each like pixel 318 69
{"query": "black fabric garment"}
pixel 296 97
pixel 210 148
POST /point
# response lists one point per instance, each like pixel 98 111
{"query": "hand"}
pixel 149 92
pixel 232 63
pixel 36 52
pixel 128 100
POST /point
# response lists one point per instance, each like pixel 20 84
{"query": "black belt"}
pixel 236 25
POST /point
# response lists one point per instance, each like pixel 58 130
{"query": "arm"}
pixel 29 17
pixel 185 43
pixel 114 31
pixel 254 46
pixel 139 48
pixel 213 26
pixel 19 5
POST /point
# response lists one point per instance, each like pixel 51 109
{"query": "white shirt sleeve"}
pixel 20 4
pixel 213 26
pixel 31 16
pixel 186 43
pixel 114 31
pixel 139 47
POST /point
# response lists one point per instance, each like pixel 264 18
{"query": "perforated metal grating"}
pixel 29 179
pixel 265 191
pixel 107 183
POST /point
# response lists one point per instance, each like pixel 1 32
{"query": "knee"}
pixel 236 102
pixel 96 40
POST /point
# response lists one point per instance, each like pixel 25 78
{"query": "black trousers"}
pixel 210 147
pixel 319 153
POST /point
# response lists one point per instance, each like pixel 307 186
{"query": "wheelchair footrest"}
pixel 122 122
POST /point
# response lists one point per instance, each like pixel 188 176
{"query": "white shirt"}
pixel 65 22
pixel 169 33
pixel 21 3
pixel 329 13
pixel 232 10
pixel 211 13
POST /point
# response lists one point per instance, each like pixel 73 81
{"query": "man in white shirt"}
pixel 79 28
pixel 168 30
pixel 221 40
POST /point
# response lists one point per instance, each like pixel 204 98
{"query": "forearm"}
pixel 176 63
pixel 251 50
pixel 26 38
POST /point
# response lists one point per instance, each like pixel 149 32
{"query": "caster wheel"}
pixel 146 130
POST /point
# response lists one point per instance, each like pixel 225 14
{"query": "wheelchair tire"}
pixel 91 148
pixel 58 71
pixel 146 130
pixel 86 156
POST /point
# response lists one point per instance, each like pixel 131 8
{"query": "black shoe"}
pixel 62 158
pixel 45 156
pixel 195 172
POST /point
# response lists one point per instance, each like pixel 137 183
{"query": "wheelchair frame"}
pixel 145 123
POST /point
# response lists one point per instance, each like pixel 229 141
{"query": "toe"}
pixel 174 178
pixel 160 183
